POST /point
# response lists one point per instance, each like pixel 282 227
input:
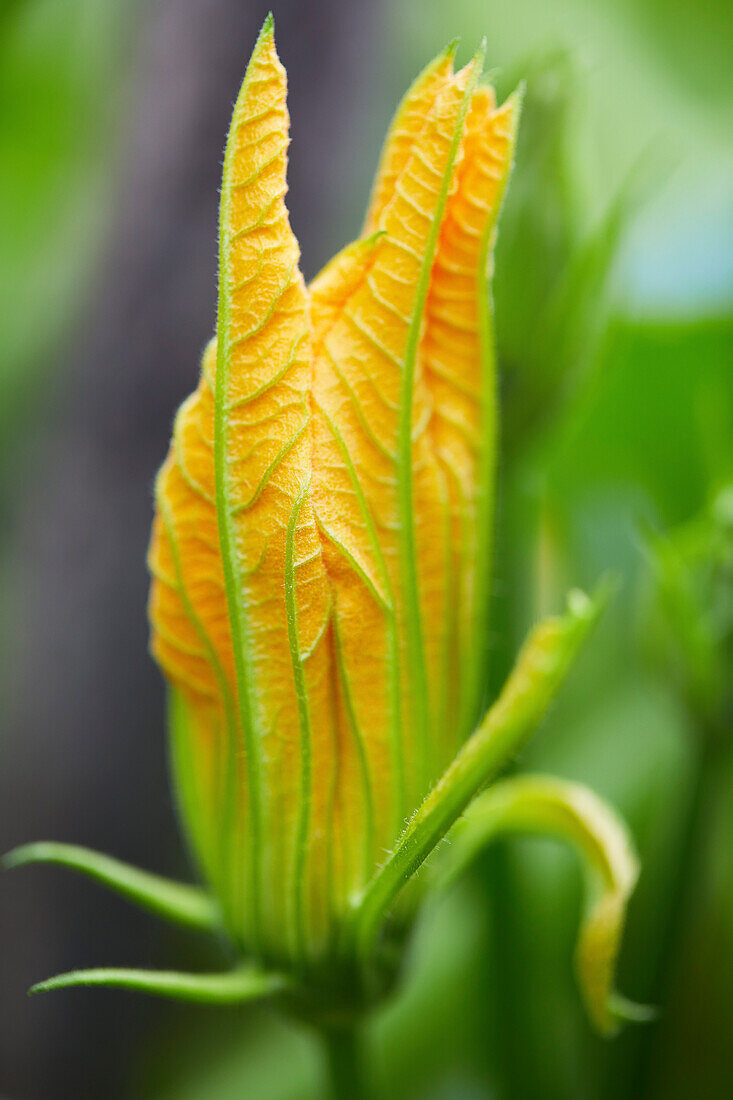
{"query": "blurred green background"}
pixel 614 313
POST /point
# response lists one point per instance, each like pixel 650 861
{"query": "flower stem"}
pixel 685 896
pixel 345 1066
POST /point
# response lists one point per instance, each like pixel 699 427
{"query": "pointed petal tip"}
pixel 520 91
pixel 441 61
pixel 471 73
pixel 266 37
pixel 515 99
pixel 450 50
pixel 476 62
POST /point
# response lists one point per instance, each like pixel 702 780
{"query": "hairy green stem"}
pixel 345 1065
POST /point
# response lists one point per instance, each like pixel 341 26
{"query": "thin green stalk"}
pixel 507 976
pixel 345 1064
pixel 682 902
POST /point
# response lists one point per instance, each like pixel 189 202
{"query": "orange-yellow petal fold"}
pixel 457 360
pixel 278 595
pixel 367 308
pixel 406 127
pixel 242 467
pixel 318 521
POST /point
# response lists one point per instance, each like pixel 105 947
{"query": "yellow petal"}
pixel 242 622
pixel 301 603
pixel 404 131
pixel 278 594
pixel 334 285
pixel 456 358
pixel 367 308
pixel 190 627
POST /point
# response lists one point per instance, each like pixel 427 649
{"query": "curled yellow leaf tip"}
pixel 543 805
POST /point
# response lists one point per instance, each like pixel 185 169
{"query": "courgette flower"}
pixel 319 552
pixel 320 556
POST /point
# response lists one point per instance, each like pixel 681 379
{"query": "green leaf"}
pixel 174 901
pixel 540 670
pixel 246 983
pixel 574 814
pixel 690 624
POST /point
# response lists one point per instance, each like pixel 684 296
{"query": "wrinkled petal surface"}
pixel 322 518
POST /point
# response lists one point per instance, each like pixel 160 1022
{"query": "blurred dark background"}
pixel 614 301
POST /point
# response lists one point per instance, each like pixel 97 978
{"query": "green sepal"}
pixel 570 812
pixel 538 674
pixel 174 901
pixel 245 983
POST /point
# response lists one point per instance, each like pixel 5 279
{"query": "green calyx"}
pixel 363 965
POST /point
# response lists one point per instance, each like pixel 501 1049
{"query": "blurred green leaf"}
pixel 691 615
pixel 56 66
pixel 641 427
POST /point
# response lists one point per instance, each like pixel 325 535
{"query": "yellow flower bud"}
pixel 320 549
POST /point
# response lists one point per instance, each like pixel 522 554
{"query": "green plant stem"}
pixel 345 1066
pixel 684 900
pixel 507 975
